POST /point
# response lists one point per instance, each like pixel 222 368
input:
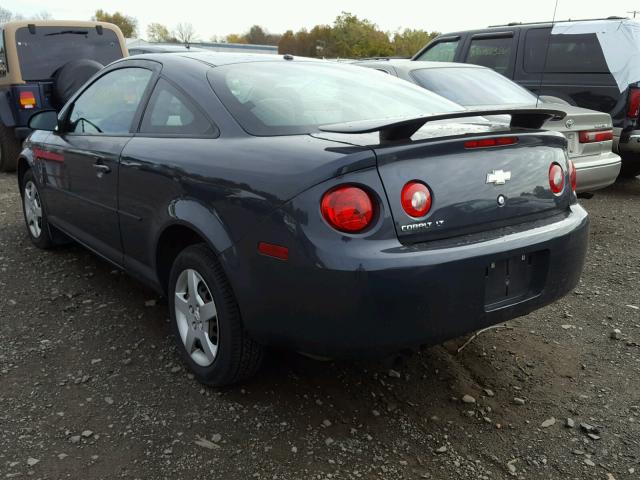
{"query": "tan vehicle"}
pixel 42 63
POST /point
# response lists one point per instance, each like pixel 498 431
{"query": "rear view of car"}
pixel 42 64
pixel 332 209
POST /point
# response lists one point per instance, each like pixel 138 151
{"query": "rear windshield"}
pixel 285 98
pixel 472 87
pixel 43 52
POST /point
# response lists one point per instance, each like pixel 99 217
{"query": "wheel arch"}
pixel 173 239
pixel 23 166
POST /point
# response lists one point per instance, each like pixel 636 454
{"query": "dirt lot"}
pixel 91 387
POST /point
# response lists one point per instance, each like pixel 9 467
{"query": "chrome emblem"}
pixel 570 123
pixel 498 177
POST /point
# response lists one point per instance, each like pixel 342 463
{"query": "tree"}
pixel 355 38
pixel 156 32
pixel 128 25
pixel 42 15
pixel 236 38
pixel 5 15
pixel 185 33
pixel 256 35
pixel 408 42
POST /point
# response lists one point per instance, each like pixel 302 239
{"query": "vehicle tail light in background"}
pixel 594 136
pixel 273 250
pixel 633 108
pixel 556 178
pixel 416 199
pixel 491 142
pixel 347 208
pixel 573 176
pixel 27 100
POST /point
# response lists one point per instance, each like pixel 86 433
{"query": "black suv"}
pixel 572 64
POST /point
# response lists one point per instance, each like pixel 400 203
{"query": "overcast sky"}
pixel 228 16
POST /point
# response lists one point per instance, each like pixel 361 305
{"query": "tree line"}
pixel 348 36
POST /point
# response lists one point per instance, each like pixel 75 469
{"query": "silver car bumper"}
pixel 597 171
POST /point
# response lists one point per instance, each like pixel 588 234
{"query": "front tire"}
pixel 35 216
pixel 206 321
pixel 9 149
pixel 629 170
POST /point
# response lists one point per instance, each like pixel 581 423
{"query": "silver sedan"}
pixel 589 133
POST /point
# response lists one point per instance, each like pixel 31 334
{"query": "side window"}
pixel 109 104
pixel 3 56
pixel 444 51
pixel 494 53
pixel 570 53
pixel 170 112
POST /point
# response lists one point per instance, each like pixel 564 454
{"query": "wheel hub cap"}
pixel 33 209
pixel 197 317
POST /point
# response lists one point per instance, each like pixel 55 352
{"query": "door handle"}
pixel 101 168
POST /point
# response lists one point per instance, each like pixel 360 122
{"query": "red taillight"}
pixel 633 109
pixel 491 142
pixel 347 208
pixel 596 136
pixel 573 177
pixel 273 250
pixel 27 100
pixel 556 178
pixel 416 199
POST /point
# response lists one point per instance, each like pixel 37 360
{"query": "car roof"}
pixel 216 59
pixel 410 65
pixel 518 25
pixel 165 48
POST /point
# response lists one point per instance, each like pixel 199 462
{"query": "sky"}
pixel 219 18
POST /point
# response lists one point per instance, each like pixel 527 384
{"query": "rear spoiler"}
pixel 395 129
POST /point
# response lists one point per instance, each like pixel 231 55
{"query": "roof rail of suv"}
pixel 514 24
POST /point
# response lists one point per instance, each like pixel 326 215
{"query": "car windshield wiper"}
pixel 68 32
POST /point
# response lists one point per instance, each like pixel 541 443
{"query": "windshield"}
pixel 43 52
pixel 472 87
pixel 285 98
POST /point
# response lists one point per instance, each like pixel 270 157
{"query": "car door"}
pixel 82 179
pixel 173 133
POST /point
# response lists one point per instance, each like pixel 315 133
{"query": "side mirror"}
pixel 44 120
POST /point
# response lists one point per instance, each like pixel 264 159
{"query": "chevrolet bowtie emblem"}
pixel 498 177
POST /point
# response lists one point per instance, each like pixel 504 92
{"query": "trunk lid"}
pixel 474 190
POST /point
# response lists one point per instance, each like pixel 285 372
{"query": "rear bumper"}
pixel 385 297
pixel 598 171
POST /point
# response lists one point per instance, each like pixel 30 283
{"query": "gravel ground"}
pixel 91 385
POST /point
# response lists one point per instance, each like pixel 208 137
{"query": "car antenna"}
pixel 546 53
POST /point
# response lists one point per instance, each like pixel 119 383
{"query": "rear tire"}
pixel 35 216
pixel 629 170
pixel 206 322
pixel 9 149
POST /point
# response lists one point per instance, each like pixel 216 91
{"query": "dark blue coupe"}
pixel 318 206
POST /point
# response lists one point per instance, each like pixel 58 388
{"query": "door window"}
pixel 109 105
pixel 171 112
pixel 441 52
pixel 494 53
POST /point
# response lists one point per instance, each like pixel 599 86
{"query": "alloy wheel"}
pixel 197 317
pixel 33 209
